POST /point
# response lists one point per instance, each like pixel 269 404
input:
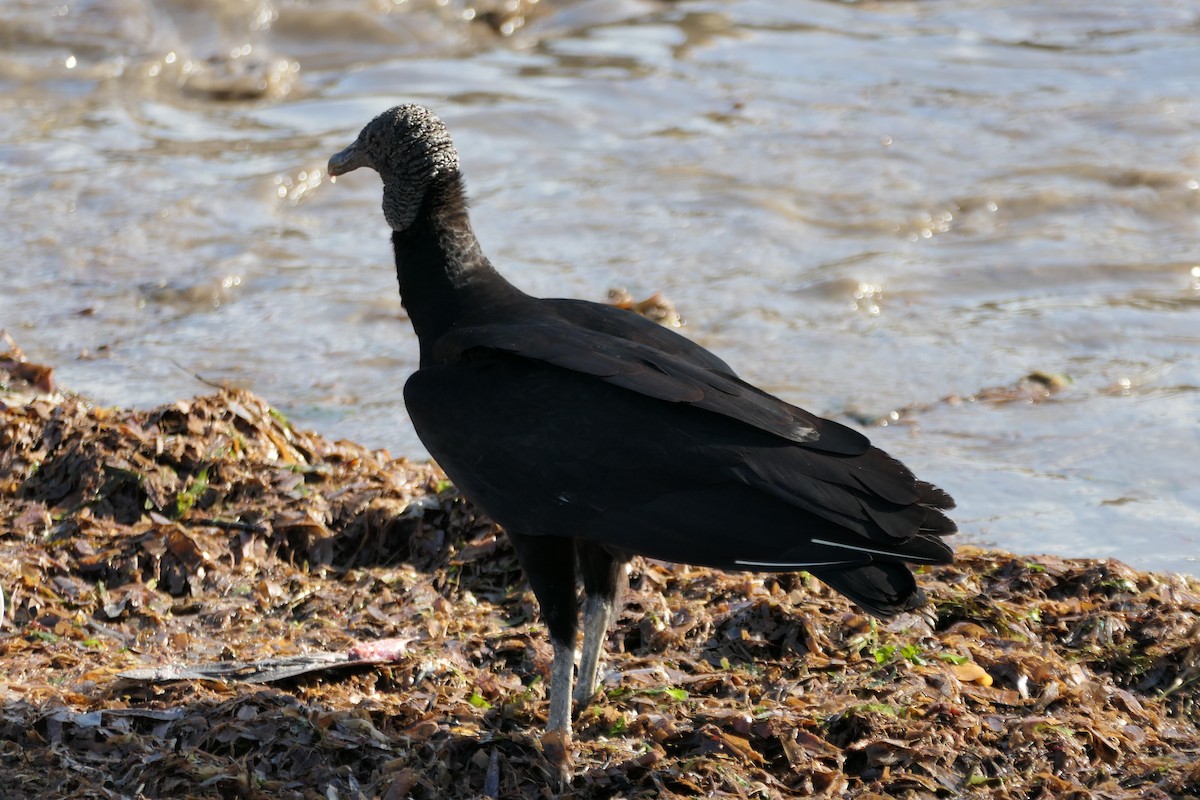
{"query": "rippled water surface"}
pixel 865 207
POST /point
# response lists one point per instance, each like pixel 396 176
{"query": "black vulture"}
pixel 591 434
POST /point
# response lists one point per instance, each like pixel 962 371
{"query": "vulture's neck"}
pixel 445 279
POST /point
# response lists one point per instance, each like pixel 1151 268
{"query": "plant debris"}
pixel 210 532
pixel 20 380
pixel 1036 387
pixel 655 307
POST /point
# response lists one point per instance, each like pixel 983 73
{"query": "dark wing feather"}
pixel 884 589
pixel 677 483
pixel 625 324
pixel 654 372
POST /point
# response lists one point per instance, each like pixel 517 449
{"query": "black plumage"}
pixel 592 434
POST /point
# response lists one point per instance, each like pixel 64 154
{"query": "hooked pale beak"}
pixel 348 160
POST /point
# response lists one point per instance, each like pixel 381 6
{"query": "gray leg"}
pixel 549 564
pixel 560 688
pixel 556 741
pixel 597 614
pixel 603 574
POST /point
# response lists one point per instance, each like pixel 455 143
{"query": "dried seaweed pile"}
pixel 212 530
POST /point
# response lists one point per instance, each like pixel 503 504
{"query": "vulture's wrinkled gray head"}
pixel 411 150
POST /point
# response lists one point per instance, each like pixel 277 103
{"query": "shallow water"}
pixel 864 207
